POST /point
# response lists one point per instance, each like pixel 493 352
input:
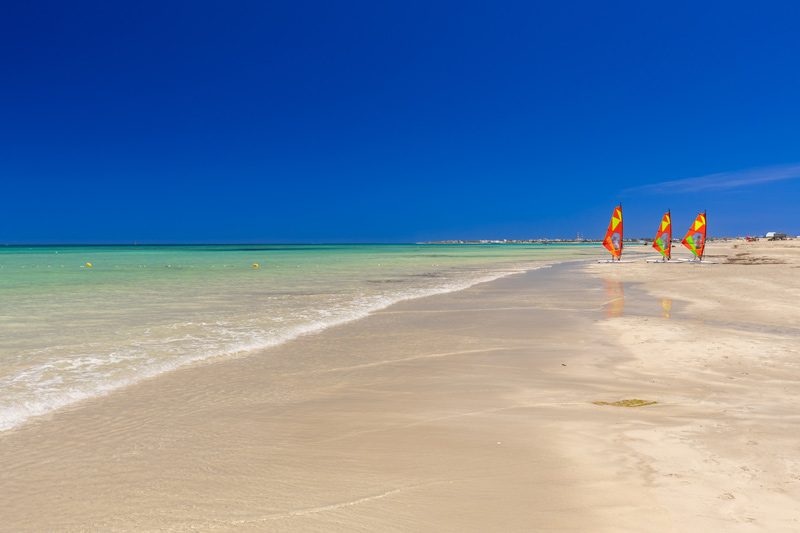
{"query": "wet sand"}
pixel 721 447
pixel 470 411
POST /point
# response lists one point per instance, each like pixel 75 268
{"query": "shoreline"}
pixel 178 343
pixel 465 411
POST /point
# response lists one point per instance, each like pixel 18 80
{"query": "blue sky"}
pixel 259 121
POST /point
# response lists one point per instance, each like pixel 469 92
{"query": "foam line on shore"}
pixel 52 399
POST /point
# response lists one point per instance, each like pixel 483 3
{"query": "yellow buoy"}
pixel 255 265
pixel 88 264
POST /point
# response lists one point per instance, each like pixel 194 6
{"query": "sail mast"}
pixel 669 241
pixel 695 239
pixel 705 234
pixel 621 240
pixel 613 238
pixel 664 231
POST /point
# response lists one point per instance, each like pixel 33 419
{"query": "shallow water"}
pixel 70 331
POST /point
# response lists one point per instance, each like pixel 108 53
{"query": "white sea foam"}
pixel 57 376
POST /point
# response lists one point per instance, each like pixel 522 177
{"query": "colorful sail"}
pixel 613 240
pixel 695 240
pixel 663 240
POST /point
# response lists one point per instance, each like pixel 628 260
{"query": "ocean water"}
pixel 70 331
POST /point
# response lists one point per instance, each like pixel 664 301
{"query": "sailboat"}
pixel 695 239
pixel 663 241
pixel 613 239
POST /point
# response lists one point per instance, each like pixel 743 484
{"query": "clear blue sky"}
pixel 372 121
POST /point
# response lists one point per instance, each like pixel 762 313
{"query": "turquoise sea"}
pixel 70 331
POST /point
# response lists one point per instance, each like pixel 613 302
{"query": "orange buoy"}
pixel 88 265
pixel 255 265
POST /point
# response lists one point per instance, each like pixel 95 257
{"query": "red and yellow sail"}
pixel 613 239
pixel 663 240
pixel 695 239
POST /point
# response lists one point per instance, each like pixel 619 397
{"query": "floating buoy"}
pixel 88 265
pixel 255 265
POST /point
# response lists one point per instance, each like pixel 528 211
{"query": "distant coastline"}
pixel 521 241
pixel 566 241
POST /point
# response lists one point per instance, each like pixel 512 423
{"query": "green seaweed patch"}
pixel 627 403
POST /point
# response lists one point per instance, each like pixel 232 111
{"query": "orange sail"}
pixel 613 240
pixel 663 240
pixel 695 240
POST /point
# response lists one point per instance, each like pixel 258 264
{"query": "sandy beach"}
pixel 477 410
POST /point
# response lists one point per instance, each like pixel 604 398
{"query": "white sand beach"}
pixel 467 411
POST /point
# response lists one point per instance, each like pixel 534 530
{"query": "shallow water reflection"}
pixel 666 307
pixel 616 299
